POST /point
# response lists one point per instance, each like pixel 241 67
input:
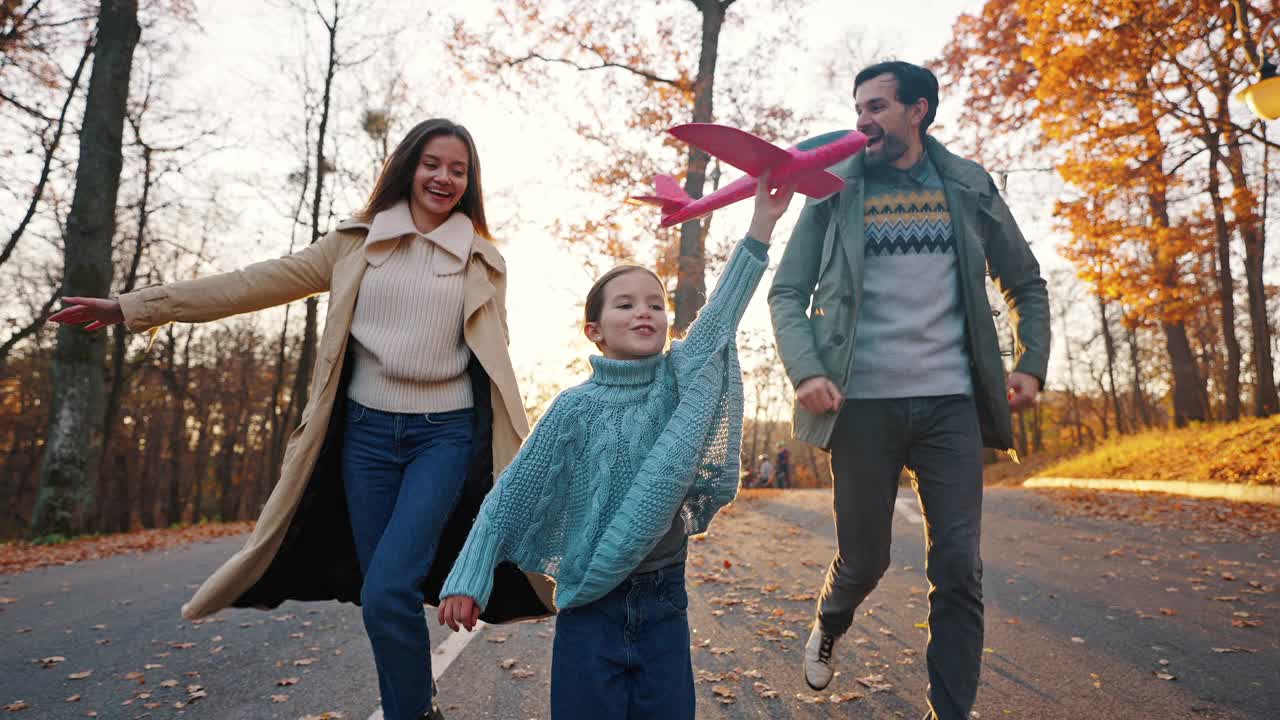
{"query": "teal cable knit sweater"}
pixel 613 460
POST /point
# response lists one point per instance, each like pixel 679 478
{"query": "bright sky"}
pixel 234 68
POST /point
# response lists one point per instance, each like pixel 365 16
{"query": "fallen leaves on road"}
pixel 285 682
pixel 875 683
pixel 522 673
pixel 80 675
pixel 20 556
pixel 16 706
pixel 49 662
pixel 763 691
pixel 724 694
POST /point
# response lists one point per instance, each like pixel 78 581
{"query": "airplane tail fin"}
pixel 667 194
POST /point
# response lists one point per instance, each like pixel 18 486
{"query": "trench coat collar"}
pixel 456 236
pixel 395 224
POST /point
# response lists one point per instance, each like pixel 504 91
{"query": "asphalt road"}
pixel 1111 608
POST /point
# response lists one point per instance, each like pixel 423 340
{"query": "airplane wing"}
pixel 819 185
pixel 736 147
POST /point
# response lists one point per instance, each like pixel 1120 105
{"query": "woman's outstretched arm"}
pixel 257 286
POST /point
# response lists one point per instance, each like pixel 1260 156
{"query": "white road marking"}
pixel 907 509
pixel 443 655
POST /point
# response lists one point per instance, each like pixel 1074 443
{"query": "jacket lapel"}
pixel 848 219
pixel 478 288
pixel 964 190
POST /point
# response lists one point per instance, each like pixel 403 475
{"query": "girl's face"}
pixel 440 180
pixel 633 320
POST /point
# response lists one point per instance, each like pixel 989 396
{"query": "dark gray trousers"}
pixel 938 439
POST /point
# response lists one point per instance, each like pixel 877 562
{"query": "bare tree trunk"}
pixel 1109 343
pixel 201 468
pixel 1265 401
pixel 1188 392
pixel 1135 364
pixel 691 287
pixel 178 434
pixel 69 470
pixel 119 336
pixel 1073 405
pixel 307 356
pixel 1226 290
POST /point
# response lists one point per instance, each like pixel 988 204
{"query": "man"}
pixel 782 468
pixel 882 321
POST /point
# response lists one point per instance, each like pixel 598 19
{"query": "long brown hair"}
pixel 395 182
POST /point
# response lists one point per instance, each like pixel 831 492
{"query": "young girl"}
pixel 413 405
pixel 618 473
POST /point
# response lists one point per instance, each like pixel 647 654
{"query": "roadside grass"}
pixel 1245 452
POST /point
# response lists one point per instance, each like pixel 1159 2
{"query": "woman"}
pixel 413 407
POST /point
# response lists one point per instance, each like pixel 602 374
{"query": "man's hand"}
pixel 1023 389
pixel 819 395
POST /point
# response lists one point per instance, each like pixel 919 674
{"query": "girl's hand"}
pixel 770 205
pixel 98 312
pixel 458 610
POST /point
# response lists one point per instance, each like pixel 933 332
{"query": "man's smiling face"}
pixel 890 126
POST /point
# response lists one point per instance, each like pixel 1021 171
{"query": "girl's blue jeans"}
pixel 403 474
pixel 626 655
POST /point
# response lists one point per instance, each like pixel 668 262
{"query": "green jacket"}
pixel 817 291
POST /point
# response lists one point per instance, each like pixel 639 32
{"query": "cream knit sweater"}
pixel 408 350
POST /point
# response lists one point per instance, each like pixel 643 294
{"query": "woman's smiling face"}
pixel 441 178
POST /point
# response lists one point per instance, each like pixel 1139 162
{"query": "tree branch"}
pixel 35 325
pixel 604 65
pixel 50 151
pixel 24 107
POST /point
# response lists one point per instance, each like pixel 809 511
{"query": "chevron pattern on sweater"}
pixel 908 223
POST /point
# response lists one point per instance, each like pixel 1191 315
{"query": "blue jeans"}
pixel 403 474
pixel 626 655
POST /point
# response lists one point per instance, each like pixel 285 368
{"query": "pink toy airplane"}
pixel 804 165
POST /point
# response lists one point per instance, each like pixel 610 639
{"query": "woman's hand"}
pixel 98 312
pixel 770 205
pixel 458 610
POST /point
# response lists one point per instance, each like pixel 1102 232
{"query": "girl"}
pixel 413 405
pixel 619 472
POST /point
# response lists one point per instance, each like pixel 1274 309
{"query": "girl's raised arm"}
pixel 718 320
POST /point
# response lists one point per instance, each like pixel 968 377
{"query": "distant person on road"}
pixel 617 474
pixel 880 312
pixel 782 468
pixel 765 472
pixel 413 407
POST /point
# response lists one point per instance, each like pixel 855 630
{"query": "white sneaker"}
pixel 817 657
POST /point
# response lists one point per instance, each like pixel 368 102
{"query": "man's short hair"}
pixel 914 82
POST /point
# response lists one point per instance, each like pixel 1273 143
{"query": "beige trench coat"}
pixel 336 264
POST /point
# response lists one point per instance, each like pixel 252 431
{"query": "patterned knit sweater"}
pixel 615 459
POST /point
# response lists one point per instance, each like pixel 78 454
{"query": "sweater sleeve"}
pixel 718 320
pixel 509 510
